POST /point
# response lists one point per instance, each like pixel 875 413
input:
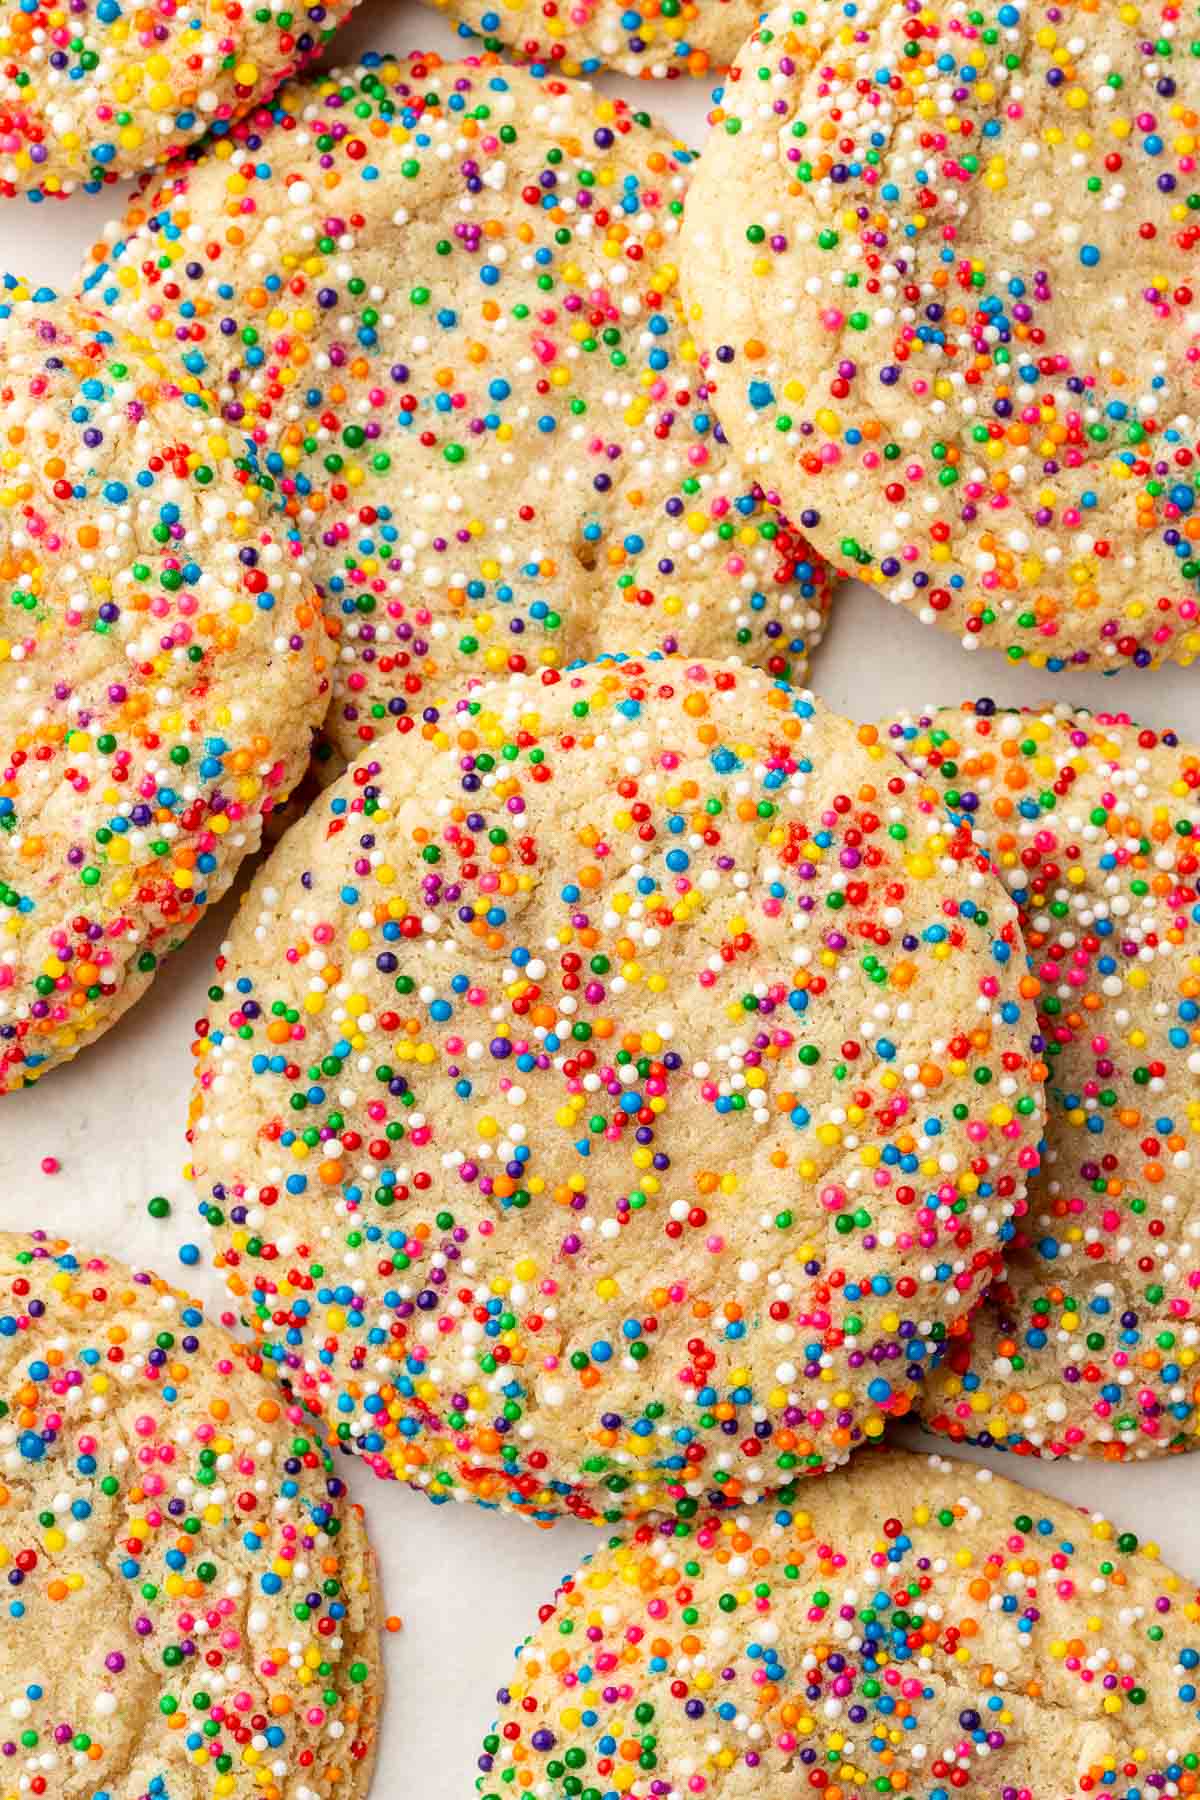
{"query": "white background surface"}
pixel 467 1583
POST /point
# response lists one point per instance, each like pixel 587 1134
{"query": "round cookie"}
pixel 162 667
pixel 442 301
pixel 96 91
pixel 943 259
pixel 191 1605
pixel 655 39
pixel 619 1106
pixel 909 1626
pixel 1091 1344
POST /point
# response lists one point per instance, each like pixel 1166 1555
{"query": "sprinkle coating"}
pixel 1091 1343
pixel 943 259
pixel 191 1609
pixel 909 1626
pixel 621 1106
pixel 441 299
pixel 656 39
pixel 162 667
pixel 95 90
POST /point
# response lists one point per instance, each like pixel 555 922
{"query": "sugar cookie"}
pixel 162 667
pixel 191 1597
pixel 1091 1345
pixel 944 260
pixel 656 39
pixel 98 90
pixel 618 1106
pixel 908 1626
pixel 441 299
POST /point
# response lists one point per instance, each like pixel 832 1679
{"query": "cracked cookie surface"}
pixel 162 669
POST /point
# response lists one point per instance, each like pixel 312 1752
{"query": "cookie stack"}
pixel 629 1089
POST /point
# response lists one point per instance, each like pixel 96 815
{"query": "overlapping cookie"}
pixel 97 90
pixel 162 668
pixel 907 1626
pixel 656 39
pixel 1091 1344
